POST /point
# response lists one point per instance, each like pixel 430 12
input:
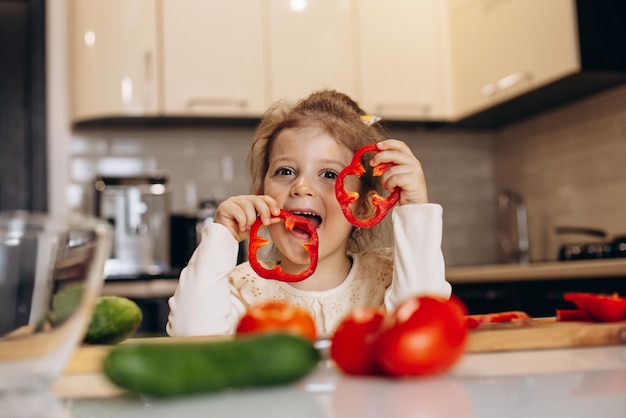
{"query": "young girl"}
pixel 296 154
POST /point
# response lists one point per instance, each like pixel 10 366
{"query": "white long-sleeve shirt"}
pixel 213 292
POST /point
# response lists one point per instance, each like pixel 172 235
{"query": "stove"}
pixel 602 247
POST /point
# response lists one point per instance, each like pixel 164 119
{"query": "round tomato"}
pixel 352 343
pixel 277 317
pixel 424 335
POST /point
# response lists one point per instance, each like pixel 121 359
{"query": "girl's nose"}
pixel 302 189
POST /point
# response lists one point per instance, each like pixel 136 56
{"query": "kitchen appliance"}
pixel 138 208
pixel 600 244
pixel 186 233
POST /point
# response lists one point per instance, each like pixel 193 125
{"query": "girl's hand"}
pixel 238 213
pixel 407 173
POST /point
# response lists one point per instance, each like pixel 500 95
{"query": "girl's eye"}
pixel 330 174
pixel 284 171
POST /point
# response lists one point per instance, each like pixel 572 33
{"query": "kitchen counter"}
pixel 141 288
pixel 576 382
pixel 552 270
pixel 548 270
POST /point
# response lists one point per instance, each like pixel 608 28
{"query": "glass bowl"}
pixel 51 273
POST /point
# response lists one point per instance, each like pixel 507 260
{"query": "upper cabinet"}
pixel 114 69
pixel 502 48
pixel 512 58
pixel 403 59
pixel 203 58
pixel 390 57
pixel 471 62
pixel 311 46
pixel 214 60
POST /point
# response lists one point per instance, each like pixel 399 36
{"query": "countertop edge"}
pixel 549 270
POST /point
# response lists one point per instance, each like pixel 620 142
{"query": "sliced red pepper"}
pixel 599 307
pixel 477 320
pixel 276 273
pixel 571 315
pixel 381 204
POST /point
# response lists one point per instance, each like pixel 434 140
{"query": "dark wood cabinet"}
pixel 538 298
pixel 23 164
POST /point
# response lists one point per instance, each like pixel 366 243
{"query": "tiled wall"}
pixel 211 163
pixel 570 166
pixel 201 163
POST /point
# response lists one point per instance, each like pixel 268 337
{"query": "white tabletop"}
pixel 571 383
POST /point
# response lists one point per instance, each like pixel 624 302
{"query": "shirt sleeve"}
pixel 418 267
pixel 203 303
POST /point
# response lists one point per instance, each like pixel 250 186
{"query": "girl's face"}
pixel 303 167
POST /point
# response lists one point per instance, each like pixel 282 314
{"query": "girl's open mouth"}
pixel 312 217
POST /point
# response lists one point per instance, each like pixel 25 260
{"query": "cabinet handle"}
pixel 216 101
pixel 407 106
pixel 512 79
pixel 504 83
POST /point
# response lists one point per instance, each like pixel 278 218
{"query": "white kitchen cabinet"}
pixel 205 58
pixel 213 58
pixel 168 58
pixel 114 68
pixel 403 59
pixel 311 46
pixel 503 48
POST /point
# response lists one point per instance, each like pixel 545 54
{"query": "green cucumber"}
pixel 114 319
pixel 170 368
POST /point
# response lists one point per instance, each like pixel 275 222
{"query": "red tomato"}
pixel 277 317
pixel 352 344
pixel 425 335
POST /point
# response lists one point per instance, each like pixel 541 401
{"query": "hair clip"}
pixel 369 120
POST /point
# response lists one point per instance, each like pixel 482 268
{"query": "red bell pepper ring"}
pixel 381 204
pixel 276 273
pixel 599 307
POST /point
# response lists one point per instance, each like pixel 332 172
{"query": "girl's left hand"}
pixel 407 173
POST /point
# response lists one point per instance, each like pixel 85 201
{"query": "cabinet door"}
pixel 503 48
pixel 403 59
pixel 214 58
pixel 312 47
pixel 114 56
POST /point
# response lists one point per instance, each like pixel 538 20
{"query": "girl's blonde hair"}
pixel 337 115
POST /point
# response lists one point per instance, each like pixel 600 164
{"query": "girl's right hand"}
pixel 238 213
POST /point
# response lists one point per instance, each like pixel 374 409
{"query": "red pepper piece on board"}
pixel 477 320
pixel 599 307
pixel 381 204
pixel 571 315
pixel 276 273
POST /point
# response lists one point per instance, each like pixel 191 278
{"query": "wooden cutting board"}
pixel 545 333
pixel 88 358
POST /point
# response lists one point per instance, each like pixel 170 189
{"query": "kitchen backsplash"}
pixel 211 163
pixel 567 164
